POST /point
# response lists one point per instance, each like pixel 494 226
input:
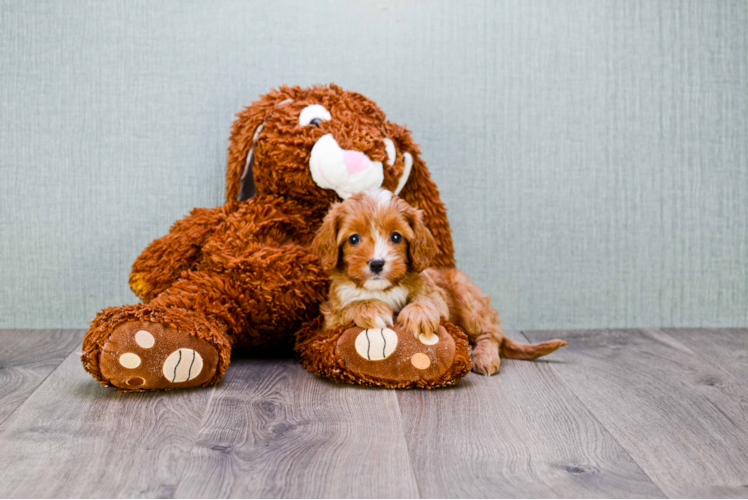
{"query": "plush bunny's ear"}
pixel 416 187
pixel 325 243
pixel 240 184
pixel 422 248
pixel 247 181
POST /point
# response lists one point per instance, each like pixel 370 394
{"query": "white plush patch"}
pixel 389 148
pixel 144 339
pixel 429 340
pixel 346 172
pixel 408 160
pixel 182 365
pixel 313 111
pixel 376 344
pixel 395 297
pixel 129 360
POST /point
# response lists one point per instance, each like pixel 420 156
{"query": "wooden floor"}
pixel 617 413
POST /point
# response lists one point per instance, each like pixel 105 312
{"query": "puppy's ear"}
pixel 422 247
pixel 325 243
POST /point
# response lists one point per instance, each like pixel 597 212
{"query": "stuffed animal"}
pixel 243 276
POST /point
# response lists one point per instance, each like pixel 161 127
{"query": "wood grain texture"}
pixel 27 357
pixel 682 419
pixel 276 430
pixel 73 438
pixel 725 348
pixel 522 433
pixel 617 413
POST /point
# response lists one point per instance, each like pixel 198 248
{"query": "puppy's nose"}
pixel 376 266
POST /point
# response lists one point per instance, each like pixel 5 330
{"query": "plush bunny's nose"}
pixel 345 171
pixel 355 162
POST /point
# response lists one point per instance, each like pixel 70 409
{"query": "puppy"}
pixel 377 250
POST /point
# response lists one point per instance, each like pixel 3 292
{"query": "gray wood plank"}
pixel 276 430
pixel 682 419
pixel 27 357
pixel 521 433
pixel 73 438
pixel 725 348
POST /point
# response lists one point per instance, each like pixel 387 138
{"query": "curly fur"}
pixel 243 274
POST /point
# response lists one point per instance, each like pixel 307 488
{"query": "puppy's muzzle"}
pixel 376 266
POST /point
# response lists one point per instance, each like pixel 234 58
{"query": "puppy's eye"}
pixel 315 122
pixel 354 239
pixel 396 238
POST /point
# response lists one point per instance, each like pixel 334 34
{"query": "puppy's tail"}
pixel 517 350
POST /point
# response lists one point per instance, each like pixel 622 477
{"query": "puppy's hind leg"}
pixel 486 360
pixel 490 338
pixel 471 311
pixel 492 344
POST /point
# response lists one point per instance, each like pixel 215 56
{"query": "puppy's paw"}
pixel 419 318
pixel 486 359
pixel 377 315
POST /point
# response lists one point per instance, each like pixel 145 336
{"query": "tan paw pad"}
pixel 376 344
pixel 428 339
pixel 144 339
pixel 129 360
pixel 420 361
pixel 182 365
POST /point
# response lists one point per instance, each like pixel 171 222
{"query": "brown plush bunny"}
pixel 242 275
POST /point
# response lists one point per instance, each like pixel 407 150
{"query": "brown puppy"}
pixel 377 250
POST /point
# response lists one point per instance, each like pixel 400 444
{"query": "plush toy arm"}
pixel 166 258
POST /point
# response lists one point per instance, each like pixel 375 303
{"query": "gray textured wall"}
pixel 592 154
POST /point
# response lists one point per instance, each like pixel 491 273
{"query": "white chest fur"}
pixel 396 297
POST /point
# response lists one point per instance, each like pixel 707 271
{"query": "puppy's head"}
pixel 374 239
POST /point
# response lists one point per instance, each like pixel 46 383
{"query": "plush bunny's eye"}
pixel 313 114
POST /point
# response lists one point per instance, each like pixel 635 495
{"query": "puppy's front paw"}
pixel 419 318
pixel 486 359
pixel 374 316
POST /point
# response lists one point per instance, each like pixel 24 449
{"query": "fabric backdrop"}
pixel 592 154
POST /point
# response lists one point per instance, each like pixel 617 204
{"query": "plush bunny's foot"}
pixel 139 348
pixel 388 357
pixel 145 356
